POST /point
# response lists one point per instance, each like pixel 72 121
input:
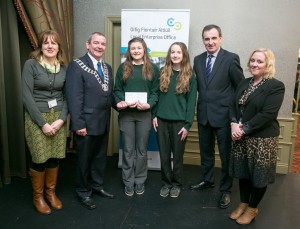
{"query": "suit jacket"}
pixel 261 108
pixel 89 105
pixel 216 94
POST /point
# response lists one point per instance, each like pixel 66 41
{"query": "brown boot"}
pixel 239 211
pixel 50 183
pixel 37 181
pixel 249 215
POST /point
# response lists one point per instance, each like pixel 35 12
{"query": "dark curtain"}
pixel 12 154
pixel 36 16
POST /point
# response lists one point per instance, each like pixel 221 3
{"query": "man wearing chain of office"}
pixel 89 91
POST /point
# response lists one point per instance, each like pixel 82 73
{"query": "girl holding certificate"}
pixel 136 83
pixel 174 115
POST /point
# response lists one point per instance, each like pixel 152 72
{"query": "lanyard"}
pixel 53 81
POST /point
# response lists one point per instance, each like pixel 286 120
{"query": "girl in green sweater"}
pixel 136 75
pixel 174 115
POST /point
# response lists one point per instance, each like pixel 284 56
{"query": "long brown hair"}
pixel 147 70
pixel 36 54
pixel 182 85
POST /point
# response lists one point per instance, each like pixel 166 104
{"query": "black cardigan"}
pixel 261 108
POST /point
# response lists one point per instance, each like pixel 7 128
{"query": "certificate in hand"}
pixel 131 97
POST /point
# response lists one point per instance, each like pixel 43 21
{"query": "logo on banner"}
pixel 159 29
pixel 172 23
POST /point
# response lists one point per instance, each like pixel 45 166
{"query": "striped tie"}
pixel 208 66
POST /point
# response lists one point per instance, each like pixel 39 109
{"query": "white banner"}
pixel 158 27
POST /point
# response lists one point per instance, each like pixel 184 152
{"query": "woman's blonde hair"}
pixel 147 70
pixel 270 62
pixel 183 81
pixel 36 54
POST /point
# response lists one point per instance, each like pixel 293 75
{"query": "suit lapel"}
pixel 201 68
pixel 257 92
pixel 89 62
pixel 217 64
pixel 203 65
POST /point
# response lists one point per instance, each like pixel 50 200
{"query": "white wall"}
pixel 245 25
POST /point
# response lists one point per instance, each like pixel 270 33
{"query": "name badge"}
pixel 52 103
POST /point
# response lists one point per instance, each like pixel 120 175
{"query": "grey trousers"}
pixel 135 128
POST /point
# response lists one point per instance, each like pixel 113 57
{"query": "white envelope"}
pixel 131 97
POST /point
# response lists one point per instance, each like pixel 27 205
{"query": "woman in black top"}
pixel 255 131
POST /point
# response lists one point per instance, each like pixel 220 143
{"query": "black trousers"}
pixel 170 142
pixel 207 135
pixel 91 160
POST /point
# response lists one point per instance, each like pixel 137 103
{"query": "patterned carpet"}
pixel 296 159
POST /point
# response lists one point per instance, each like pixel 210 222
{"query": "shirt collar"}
pixel 136 63
pixel 95 62
pixel 214 54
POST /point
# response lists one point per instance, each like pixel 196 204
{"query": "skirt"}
pixel 44 147
pixel 255 159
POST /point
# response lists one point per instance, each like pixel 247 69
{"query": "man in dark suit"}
pixel 218 74
pixel 89 92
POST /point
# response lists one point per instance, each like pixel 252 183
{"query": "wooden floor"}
pixel 193 209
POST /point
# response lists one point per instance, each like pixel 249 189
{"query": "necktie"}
pixel 99 69
pixel 208 66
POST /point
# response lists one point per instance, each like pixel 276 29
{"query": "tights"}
pixel 50 163
pixel 250 194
